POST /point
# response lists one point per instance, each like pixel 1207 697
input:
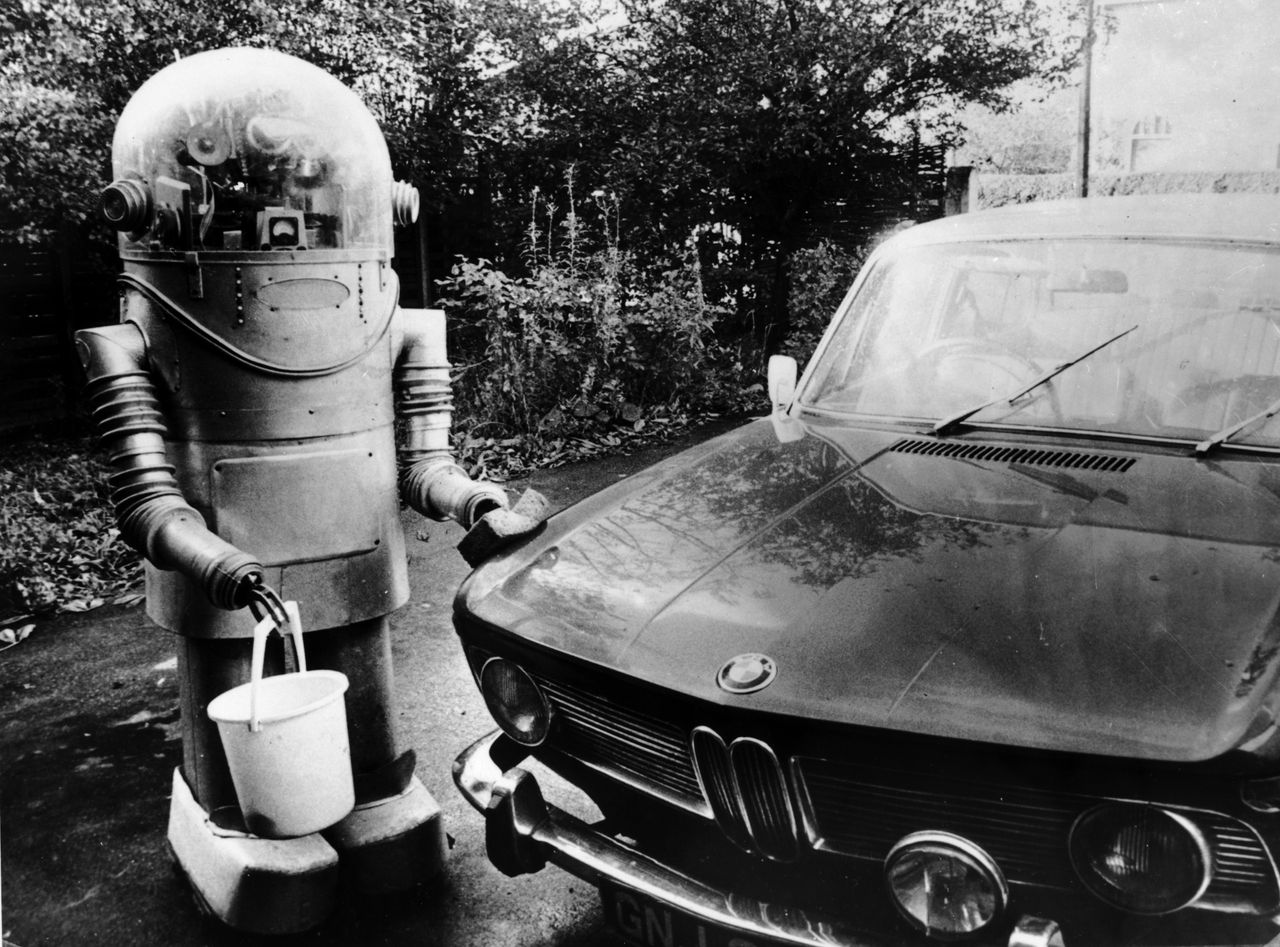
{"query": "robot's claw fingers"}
pixel 265 602
pixel 255 606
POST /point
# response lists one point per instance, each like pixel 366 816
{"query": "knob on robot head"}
pixel 251 150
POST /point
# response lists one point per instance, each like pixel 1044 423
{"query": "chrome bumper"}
pixel 523 832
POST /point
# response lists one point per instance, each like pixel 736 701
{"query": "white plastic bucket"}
pixel 285 739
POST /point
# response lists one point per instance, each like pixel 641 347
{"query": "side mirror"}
pixel 782 388
pixel 782 382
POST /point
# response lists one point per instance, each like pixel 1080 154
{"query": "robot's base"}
pixel 285 886
pixel 251 884
pixel 393 845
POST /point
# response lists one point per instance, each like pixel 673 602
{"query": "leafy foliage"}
pixel 587 340
pixel 820 278
pixel 59 546
pixel 49 166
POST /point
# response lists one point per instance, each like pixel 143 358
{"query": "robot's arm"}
pixel 152 514
pixel 431 481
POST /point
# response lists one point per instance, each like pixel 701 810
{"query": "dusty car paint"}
pixel 1125 613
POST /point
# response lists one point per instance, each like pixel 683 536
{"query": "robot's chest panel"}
pixel 303 507
pixel 293 316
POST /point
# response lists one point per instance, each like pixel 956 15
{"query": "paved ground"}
pixel 89 740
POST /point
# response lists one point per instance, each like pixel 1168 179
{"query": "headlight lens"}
pixel 1140 858
pixel 944 884
pixel 515 701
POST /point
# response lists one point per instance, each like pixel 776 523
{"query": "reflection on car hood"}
pixel 1130 612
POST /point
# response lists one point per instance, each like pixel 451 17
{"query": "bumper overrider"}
pixel 523 832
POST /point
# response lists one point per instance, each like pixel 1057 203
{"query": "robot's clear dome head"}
pixel 249 150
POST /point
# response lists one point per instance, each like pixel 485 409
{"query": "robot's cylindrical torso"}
pixel 255 201
pixel 276 387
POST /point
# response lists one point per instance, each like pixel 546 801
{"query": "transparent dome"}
pixel 249 150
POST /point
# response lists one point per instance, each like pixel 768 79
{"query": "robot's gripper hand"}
pixel 499 527
pixel 265 602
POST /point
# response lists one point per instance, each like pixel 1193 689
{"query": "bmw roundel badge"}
pixel 747 673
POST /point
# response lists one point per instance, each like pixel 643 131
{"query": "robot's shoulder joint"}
pixel 112 350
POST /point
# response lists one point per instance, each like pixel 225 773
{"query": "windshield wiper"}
pixel 1221 437
pixel 946 424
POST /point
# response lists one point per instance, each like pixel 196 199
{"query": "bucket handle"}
pixel 260 633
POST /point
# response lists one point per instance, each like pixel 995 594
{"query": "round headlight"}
pixel 1140 858
pixel 944 884
pixel 515 701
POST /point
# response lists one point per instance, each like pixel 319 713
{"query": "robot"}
pixel 248 398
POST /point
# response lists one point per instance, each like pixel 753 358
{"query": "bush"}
pixel 597 341
pixel 820 277
pixel 998 190
pixel 587 339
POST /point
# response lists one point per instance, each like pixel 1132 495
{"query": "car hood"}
pixel 1027 600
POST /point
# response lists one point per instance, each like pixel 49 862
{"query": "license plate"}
pixel 645 922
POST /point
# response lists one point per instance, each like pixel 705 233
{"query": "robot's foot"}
pixel 390 846
pixel 251 884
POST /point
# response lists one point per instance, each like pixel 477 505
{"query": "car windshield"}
pixel 1180 339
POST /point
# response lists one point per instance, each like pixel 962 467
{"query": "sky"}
pixel 1189 56
pixel 1208 69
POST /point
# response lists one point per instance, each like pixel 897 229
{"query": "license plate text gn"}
pixel 647 923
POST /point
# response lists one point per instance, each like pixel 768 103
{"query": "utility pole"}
pixel 1083 133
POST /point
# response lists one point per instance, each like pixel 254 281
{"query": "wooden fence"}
pixel 39 376
pixel 896 187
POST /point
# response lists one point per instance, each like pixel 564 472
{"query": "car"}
pixel 973 638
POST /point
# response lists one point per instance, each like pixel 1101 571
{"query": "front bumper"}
pixel 523 832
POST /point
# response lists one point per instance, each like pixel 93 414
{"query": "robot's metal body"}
pixel 248 398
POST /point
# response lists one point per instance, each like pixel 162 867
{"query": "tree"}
pixel 753 114
pixel 1035 136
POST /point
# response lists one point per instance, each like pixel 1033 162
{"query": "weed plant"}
pixel 586 342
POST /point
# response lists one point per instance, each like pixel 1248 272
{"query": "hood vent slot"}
pixel 991 453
